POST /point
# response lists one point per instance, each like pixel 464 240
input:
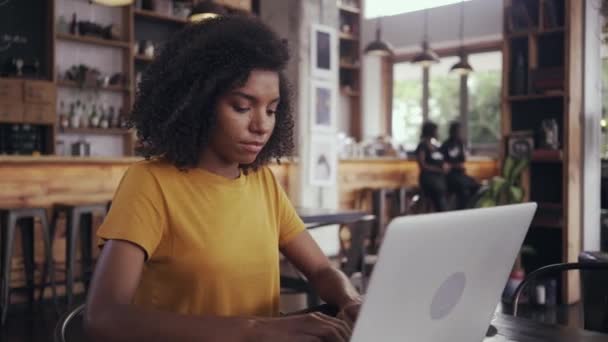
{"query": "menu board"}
pixel 24 38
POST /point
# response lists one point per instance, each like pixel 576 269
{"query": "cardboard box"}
pixel 11 91
pixel 11 112
pixel 39 113
pixel 39 92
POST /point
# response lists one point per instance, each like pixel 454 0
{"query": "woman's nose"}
pixel 261 122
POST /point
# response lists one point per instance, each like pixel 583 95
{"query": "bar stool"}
pixel 386 203
pixel 79 222
pixel 24 219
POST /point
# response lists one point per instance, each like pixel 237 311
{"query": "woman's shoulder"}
pixel 151 167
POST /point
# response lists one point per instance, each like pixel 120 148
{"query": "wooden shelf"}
pixel 351 66
pixel 143 58
pixel 548 222
pixel 552 30
pixel 549 215
pixel 93 41
pixel 535 96
pixel 97 131
pixel 348 36
pixel 349 9
pixel 550 206
pixel 159 17
pixel 535 32
pixel 113 88
pixel 554 156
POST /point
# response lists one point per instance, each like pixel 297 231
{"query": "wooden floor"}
pixel 24 325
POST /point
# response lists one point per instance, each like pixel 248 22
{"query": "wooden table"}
pixel 524 330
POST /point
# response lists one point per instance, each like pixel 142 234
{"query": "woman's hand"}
pixel 313 327
pixel 350 312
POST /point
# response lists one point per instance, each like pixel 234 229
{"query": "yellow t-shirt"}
pixel 212 243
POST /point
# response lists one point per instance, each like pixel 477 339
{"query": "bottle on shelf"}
pixel 122 119
pixel 84 116
pixel 103 120
pixel 63 116
pixel 112 118
pixel 94 118
pixel 75 115
pixel 74 24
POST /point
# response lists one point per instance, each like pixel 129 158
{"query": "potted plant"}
pixel 503 190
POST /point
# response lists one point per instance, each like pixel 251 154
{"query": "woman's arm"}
pixel 110 316
pixel 331 284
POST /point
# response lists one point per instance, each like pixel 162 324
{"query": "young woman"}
pixel 454 155
pixel 432 167
pixel 191 244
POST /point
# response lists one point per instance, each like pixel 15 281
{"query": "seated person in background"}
pixel 191 244
pixel 432 172
pixel 454 156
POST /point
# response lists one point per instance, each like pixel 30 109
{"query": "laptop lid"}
pixel 439 277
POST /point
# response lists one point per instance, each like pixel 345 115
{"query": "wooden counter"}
pixel 43 181
pixel 357 174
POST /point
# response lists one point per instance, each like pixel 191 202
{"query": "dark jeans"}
pixel 434 185
pixel 463 186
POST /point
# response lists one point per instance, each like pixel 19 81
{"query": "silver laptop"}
pixel 439 277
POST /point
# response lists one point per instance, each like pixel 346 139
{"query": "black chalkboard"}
pixel 25 34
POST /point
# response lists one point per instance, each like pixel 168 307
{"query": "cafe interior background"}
pixel 365 74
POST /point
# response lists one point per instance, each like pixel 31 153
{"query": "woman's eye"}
pixel 271 112
pixel 241 109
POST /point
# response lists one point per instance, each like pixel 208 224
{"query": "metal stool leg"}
pixel 27 246
pixel 8 236
pixel 49 267
pixel 86 230
pixel 73 224
pixel 50 232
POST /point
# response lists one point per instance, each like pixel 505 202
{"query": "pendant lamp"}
pixel 427 56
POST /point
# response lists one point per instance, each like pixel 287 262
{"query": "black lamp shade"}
pixel 206 10
pixel 112 2
pixel 378 48
pixel 462 67
pixel 426 57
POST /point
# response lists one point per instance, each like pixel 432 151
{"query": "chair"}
pixel 70 327
pixel 79 222
pixel 386 203
pixel 354 244
pixel 594 280
pixel 24 219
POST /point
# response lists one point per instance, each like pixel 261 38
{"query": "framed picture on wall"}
pixel 323 106
pixel 323 162
pixel 323 52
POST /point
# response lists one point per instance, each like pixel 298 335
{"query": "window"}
pixel 407 104
pixel 482 90
pixel 444 95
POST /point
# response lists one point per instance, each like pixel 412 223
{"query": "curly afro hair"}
pixel 174 108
